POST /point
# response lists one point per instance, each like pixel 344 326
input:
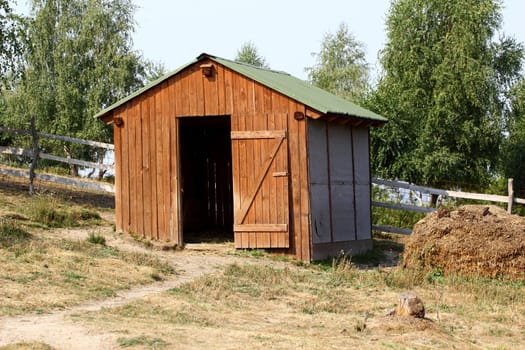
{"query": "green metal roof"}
pixel 297 89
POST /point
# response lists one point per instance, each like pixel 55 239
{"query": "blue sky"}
pixel 285 32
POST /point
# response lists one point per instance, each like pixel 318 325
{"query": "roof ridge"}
pixel 243 64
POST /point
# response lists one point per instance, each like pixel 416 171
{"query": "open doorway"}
pixel 207 194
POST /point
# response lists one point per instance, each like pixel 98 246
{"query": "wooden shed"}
pixel 221 147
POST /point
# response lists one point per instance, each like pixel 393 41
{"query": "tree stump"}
pixel 410 305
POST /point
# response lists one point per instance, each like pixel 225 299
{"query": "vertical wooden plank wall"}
pixel 133 167
pixel 175 227
pixel 124 211
pixel 299 181
pixel 148 199
pixel 117 139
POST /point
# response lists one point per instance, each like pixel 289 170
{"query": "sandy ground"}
pixel 58 330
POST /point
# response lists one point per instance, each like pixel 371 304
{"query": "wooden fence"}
pixel 510 199
pixel 35 154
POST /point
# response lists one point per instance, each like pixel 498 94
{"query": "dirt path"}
pixel 60 331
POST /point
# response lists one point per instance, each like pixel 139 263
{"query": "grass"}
pixel 324 307
pixel 50 211
pixel 95 238
pixel 338 303
pixel 42 271
pixel 11 233
pixel 44 274
pixel 150 343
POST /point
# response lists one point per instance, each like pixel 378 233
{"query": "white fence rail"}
pixel 90 185
pixel 509 199
pixel 35 153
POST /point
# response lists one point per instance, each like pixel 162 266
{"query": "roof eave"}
pixel 353 120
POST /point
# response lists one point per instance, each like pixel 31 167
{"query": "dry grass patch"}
pixel 264 307
pixel 43 271
pixel 40 274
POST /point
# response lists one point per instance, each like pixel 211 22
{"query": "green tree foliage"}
pixel 341 66
pixel 11 42
pixel 513 161
pixel 80 59
pixel 444 89
pixel 249 54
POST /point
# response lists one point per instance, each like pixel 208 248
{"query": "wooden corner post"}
pixel 511 195
pixel 34 156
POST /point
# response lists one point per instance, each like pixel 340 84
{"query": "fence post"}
pixel 511 195
pixel 34 156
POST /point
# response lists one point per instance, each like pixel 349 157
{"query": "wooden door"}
pixel 260 189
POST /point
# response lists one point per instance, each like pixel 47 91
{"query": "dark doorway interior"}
pixel 205 160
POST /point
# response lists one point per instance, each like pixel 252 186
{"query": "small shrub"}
pixel 360 326
pixel 96 239
pixel 49 216
pixel 46 210
pixel 372 257
pixel 86 214
pixel 153 343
